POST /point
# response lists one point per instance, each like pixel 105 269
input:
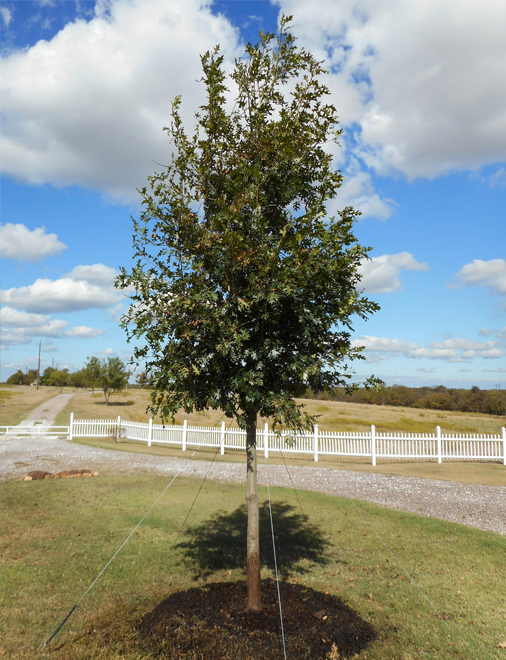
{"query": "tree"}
pixel 78 378
pixel 55 377
pixel 244 289
pixel 143 380
pixel 113 376
pixel 17 378
pixel 93 370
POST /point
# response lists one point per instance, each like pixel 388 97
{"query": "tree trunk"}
pixel 254 602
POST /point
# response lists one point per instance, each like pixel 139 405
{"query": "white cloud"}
pixel 13 338
pixel 498 179
pixel 26 325
pixel 89 105
pixel 358 191
pixel 18 242
pixel 493 353
pixel 83 332
pixel 14 318
pixel 381 274
pixel 96 273
pixel 22 326
pixel 415 77
pixel 49 347
pixel 6 15
pixel 85 287
pixel 64 295
pixel 450 350
pixel 490 274
pixel 108 351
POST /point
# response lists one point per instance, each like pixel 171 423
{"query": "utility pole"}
pixel 38 368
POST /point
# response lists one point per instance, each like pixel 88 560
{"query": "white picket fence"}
pixel 35 430
pixel 366 444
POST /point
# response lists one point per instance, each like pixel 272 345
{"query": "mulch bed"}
pixel 211 622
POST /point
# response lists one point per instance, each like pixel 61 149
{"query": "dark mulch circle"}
pixel 211 622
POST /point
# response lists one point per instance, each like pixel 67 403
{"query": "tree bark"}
pixel 254 601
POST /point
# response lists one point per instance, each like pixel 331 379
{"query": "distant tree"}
pixel 246 303
pixel 60 378
pixel 54 377
pixel 112 376
pixel 78 379
pixel 143 380
pixel 93 372
pixel 46 376
pixel 17 378
pixel 30 376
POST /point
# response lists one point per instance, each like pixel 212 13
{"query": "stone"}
pixel 37 474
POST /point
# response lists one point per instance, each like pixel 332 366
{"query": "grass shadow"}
pixel 112 404
pixel 220 542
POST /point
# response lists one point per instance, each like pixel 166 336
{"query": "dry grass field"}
pixel 333 416
pixel 16 401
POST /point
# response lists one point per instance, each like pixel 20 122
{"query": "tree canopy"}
pixel 244 288
pixel 109 375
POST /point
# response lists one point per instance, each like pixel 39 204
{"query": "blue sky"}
pixel 421 92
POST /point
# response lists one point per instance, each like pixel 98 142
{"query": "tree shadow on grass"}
pixel 220 542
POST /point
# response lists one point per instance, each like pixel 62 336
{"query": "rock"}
pixel 37 474
pixel 48 476
pixel 27 479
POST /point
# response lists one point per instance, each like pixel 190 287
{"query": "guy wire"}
pixel 378 537
pixel 275 561
pixel 75 606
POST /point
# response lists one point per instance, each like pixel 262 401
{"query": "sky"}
pixel 420 87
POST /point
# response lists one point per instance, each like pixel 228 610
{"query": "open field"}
pixel 334 416
pixel 16 401
pixel 57 535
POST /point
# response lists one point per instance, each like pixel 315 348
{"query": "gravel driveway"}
pixel 479 506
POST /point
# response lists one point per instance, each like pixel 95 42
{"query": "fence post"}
pixel 150 431
pixel 222 439
pixel 503 433
pixel 315 443
pixel 71 425
pixel 439 452
pixel 373 445
pixel 118 428
pixel 185 423
pixel 266 440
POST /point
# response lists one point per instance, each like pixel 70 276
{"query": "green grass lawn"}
pixel 55 537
